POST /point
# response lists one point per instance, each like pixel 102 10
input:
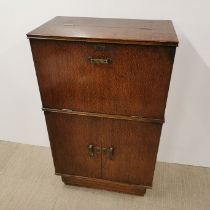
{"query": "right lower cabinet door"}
pixel 129 150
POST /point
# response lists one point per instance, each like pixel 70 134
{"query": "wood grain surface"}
pixel 104 85
pixel 135 83
pixel 147 32
pixel 135 147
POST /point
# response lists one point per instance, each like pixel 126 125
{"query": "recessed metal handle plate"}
pixel 100 60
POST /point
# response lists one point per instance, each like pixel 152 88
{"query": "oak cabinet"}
pixel 104 85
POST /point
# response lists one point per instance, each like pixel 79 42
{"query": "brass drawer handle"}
pixel 98 149
pixel 90 150
pixel 93 149
pixel 100 60
pixel 109 151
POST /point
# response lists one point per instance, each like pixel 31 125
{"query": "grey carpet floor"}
pixel 27 182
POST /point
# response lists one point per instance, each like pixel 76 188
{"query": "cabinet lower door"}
pixel 134 148
pixel 70 136
pixel 111 149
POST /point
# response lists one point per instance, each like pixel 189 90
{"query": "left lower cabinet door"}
pixel 75 141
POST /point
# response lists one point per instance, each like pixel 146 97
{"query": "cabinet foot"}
pixel 103 184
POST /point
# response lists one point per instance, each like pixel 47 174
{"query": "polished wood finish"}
pixel 69 138
pixel 135 147
pixel 144 32
pixel 141 73
pixel 104 86
pixel 104 184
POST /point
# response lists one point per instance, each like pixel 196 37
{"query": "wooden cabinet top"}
pixel 107 30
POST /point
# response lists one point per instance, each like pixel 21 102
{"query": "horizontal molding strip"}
pixel 117 117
